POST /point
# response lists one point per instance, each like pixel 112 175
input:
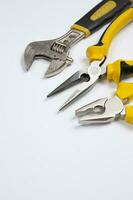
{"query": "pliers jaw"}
pixel 78 77
pixel 101 111
pixel 87 79
pixel 95 71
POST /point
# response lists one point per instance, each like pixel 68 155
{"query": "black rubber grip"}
pixel 92 20
pixel 126 70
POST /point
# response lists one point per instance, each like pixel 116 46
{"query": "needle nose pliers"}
pixel 98 68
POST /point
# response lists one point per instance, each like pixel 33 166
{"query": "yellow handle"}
pixel 99 16
pixel 129 114
pixel 125 91
pixel 99 51
pixel 118 69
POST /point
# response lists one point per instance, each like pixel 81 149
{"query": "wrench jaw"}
pixel 44 50
pixel 29 56
pixel 56 51
pixel 36 50
pixel 57 66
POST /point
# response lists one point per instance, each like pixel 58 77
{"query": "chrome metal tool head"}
pixel 56 51
pixel 89 79
pixel 101 111
pixel 76 78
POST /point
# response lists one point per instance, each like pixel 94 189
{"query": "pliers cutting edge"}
pixel 98 62
pixel 107 110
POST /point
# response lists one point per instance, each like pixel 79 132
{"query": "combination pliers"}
pixel 98 67
pixel 57 51
pixel 107 110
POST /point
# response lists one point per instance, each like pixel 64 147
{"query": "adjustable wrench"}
pixel 57 51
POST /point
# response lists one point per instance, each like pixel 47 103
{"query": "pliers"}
pixel 57 51
pixel 98 68
pixel 107 110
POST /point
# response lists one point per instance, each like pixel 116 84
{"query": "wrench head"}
pixel 56 51
pixel 50 50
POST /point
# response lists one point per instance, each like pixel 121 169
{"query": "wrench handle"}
pixel 100 15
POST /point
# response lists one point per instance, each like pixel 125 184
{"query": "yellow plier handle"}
pixel 99 51
pixel 119 70
pixel 125 91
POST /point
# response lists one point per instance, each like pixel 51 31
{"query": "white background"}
pixel 45 155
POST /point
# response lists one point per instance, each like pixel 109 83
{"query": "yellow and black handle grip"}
pixel 125 91
pixel 100 15
pixel 100 50
pixel 119 70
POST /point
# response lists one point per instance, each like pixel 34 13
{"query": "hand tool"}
pixel 107 110
pixel 98 62
pixel 57 51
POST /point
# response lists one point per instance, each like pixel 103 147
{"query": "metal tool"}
pixel 107 110
pixel 57 51
pixel 98 63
